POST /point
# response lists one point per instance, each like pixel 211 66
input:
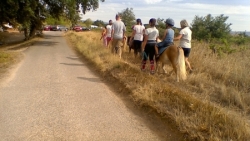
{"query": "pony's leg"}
pixel 164 68
pixel 156 65
pixel 175 70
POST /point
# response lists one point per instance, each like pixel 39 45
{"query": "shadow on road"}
pixel 51 36
pixel 73 58
pixel 46 43
pixel 70 64
pixel 31 43
pixel 95 80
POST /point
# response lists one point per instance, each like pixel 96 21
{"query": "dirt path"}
pixel 52 95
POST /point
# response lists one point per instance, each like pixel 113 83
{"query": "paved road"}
pixel 53 96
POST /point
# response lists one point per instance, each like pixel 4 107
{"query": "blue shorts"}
pixel 186 51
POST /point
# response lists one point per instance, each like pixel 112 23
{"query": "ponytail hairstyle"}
pixel 152 21
pixel 138 21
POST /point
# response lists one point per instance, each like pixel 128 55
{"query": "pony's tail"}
pixel 181 65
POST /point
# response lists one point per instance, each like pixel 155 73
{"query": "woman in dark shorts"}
pixel 185 37
pixel 148 46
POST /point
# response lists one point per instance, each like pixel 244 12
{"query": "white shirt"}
pixel 109 29
pixel 138 32
pixel 152 33
pixel 185 40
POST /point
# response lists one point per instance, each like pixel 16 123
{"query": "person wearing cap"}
pixel 108 30
pixel 185 37
pixel 148 45
pixel 167 38
pixel 137 36
pixel 118 35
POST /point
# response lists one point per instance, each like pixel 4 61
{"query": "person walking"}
pixel 104 36
pixel 148 46
pixel 167 38
pixel 108 31
pixel 118 35
pixel 137 36
pixel 185 37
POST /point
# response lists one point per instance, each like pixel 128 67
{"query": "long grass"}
pixel 7 59
pixel 212 104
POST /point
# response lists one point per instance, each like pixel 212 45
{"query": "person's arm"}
pixel 112 33
pixel 178 37
pixel 144 42
pixel 124 31
pixel 102 35
pixel 165 34
pixel 157 38
pixel 132 36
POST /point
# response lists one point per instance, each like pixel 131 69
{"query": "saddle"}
pixel 162 49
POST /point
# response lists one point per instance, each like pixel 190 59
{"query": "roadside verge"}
pixel 199 119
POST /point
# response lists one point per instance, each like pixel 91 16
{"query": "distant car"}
pixel 55 28
pixel 85 29
pixel 77 28
pixel 62 28
pixel 47 28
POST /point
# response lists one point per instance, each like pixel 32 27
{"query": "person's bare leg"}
pixel 156 51
pixel 188 64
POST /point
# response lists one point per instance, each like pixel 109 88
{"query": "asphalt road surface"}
pixel 53 96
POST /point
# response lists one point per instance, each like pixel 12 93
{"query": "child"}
pixel 137 36
pixel 168 36
pixel 148 45
pixel 104 36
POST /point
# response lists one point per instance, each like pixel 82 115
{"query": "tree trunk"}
pixel 26 34
pixel 32 32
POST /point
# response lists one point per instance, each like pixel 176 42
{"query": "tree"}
pixel 88 22
pixel 209 27
pixel 32 13
pixel 99 23
pixel 128 17
pixel 161 23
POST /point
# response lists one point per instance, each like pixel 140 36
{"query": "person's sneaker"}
pixel 152 71
pixel 191 71
pixel 143 68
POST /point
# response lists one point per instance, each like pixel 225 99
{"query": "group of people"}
pixel 115 32
pixel 145 39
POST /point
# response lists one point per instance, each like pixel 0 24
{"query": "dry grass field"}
pixel 212 104
pixel 12 44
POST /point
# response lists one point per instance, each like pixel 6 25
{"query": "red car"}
pixel 77 28
pixel 47 28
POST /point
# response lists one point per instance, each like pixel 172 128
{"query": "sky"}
pixel 238 11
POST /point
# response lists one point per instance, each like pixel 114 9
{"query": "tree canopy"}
pixel 209 27
pixel 32 13
pixel 99 23
pixel 128 17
